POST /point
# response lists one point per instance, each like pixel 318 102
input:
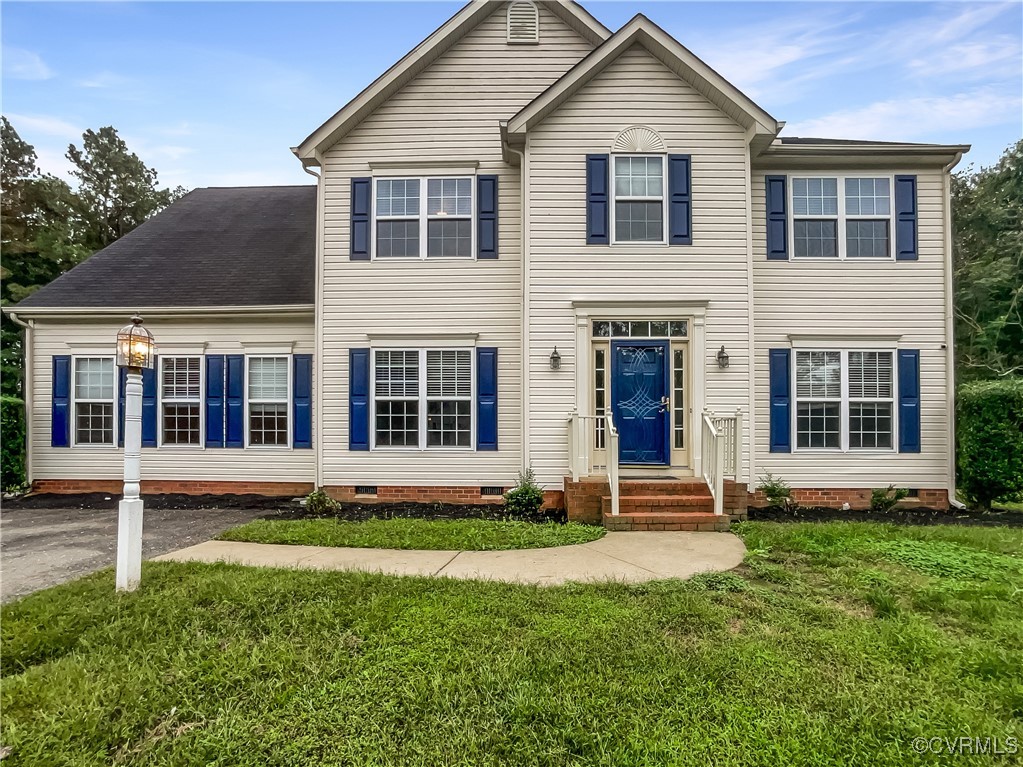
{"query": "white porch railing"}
pixel 582 447
pixel 721 453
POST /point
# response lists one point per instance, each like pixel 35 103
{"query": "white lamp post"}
pixel 134 352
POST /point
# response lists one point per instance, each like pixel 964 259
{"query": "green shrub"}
pixel 777 491
pixel 12 442
pixel 318 502
pixel 884 499
pixel 526 498
pixel 989 427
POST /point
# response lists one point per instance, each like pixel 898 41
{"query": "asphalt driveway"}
pixel 43 547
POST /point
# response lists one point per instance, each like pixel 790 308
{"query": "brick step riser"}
pixel 666 522
pixel 626 489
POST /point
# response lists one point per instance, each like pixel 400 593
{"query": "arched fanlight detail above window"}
pixel 523 22
pixel 638 139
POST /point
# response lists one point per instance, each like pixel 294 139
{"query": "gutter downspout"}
pixel 524 247
pixel 751 420
pixel 28 360
pixel 318 324
pixel 946 180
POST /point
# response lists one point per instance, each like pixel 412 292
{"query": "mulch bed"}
pixel 917 516
pixel 280 507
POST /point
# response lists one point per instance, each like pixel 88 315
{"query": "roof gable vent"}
pixel 523 22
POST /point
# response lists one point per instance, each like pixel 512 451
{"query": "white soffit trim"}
pixel 151 312
pixel 679 59
pixel 416 60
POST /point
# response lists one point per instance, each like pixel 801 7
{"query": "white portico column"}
pixel 129 520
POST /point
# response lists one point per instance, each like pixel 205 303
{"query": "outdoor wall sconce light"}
pixel 135 347
pixel 555 359
pixel 722 358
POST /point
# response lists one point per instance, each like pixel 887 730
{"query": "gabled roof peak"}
pixel 639 30
pixel 416 60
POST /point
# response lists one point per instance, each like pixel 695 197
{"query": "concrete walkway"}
pixel 630 557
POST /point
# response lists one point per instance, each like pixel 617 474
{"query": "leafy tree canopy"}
pixel 987 209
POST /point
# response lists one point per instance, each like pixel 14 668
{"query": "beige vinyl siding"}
pixel 450 111
pixel 859 298
pixel 636 89
pixel 174 337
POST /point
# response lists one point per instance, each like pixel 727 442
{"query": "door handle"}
pixel 665 404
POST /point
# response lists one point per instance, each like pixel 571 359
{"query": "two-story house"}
pixel 530 242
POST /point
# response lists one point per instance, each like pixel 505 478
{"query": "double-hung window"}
pixel 95 395
pixel 638 198
pixel 181 400
pixel 424 217
pixel 422 398
pixel 269 393
pixel 844 400
pixel 841 217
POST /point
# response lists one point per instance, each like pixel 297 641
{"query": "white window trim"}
pixel 424 218
pixel 423 399
pixel 287 403
pixel 842 217
pixel 843 413
pixel 74 402
pixel 628 198
pixel 201 401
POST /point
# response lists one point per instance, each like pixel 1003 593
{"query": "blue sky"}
pixel 216 93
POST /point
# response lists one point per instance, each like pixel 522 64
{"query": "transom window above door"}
pixel 640 328
pixel 424 217
pixel 638 190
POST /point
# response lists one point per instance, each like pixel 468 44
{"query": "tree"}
pixel 38 235
pixel 117 191
pixel 988 267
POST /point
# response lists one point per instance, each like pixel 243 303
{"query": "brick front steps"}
pixel 663 505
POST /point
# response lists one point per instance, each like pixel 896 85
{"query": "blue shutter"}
pixel 149 405
pixel 777 218
pixel 486 398
pixel 909 400
pixel 215 400
pixel 781 397
pixel 597 231
pixel 234 390
pixel 302 400
pixel 680 200
pixel 486 216
pixel 122 380
pixel 905 219
pixel 362 205
pixel 60 407
pixel 358 399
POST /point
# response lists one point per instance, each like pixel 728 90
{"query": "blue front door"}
pixel 639 396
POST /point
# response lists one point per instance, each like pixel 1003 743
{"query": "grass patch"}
pixel 825 648
pixel 453 535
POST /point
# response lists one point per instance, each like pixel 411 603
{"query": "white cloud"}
pixel 44 124
pixel 105 80
pixel 20 64
pixel 913 118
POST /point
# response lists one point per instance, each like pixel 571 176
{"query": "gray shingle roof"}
pixel 220 246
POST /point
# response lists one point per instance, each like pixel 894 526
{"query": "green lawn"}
pixel 453 535
pixel 836 644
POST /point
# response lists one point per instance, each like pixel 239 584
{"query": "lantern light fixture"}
pixel 135 346
pixel 722 357
pixel 555 359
